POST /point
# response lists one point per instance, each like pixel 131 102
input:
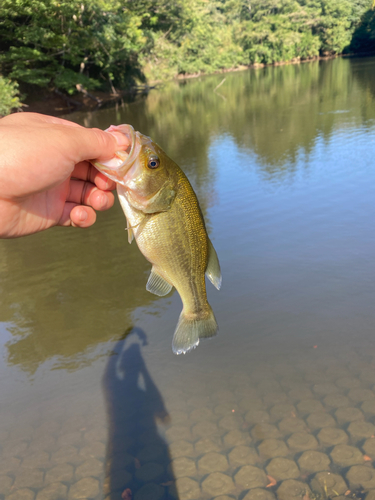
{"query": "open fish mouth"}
pixel 117 167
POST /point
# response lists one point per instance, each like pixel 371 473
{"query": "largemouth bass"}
pixel 164 217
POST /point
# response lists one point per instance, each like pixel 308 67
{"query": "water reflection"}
pixel 137 456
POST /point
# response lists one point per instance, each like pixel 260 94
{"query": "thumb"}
pixel 93 143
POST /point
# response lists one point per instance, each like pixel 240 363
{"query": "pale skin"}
pixel 46 178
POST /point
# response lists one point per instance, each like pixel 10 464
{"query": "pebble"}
pixel 368 408
pixel 178 432
pixel 334 401
pixel 150 471
pixel 359 430
pixel 348 382
pixel 153 453
pixel 313 461
pixel 91 467
pixel 181 449
pixel 325 388
pixel 28 478
pixel 236 437
pixel 359 395
pixel 202 429
pixel 328 484
pixel 361 476
pixel 54 491
pixel 23 494
pixel 61 473
pixel 301 393
pixel 217 483
pixel 282 468
pixel 369 447
pixel 251 477
pixel 347 415
pixel 231 422
pixel 206 445
pixel 150 491
pixel 345 456
pixel 243 455
pixel 253 417
pixel 258 494
pixel 265 431
pixel 5 484
pixel 288 425
pixel 185 489
pixel 302 441
pixel 293 490
pixel 308 406
pixel 66 454
pixel 212 462
pixel 85 488
pixel 273 398
pixel 281 410
pixel 9 465
pixel 330 436
pixel 96 449
pixel 319 420
pixel 182 466
pixel 251 403
pixel 271 448
pixel 204 414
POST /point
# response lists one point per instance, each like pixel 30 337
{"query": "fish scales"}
pixel 166 221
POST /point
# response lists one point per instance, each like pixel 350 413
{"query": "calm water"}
pixel 92 400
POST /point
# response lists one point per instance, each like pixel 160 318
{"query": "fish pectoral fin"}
pixel 157 284
pixel 213 271
pixel 130 234
pixel 129 229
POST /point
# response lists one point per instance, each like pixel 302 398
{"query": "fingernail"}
pixel 82 216
pixel 122 139
pixel 103 201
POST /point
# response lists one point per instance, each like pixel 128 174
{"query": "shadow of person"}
pixel 137 456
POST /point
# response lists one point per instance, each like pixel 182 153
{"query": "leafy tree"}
pixel 9 99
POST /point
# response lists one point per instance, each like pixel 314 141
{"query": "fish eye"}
pixel 153 162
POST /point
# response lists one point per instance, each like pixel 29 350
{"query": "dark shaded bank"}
pixel 57 104
pixel 137 456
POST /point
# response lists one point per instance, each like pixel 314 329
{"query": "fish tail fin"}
pixel 190 328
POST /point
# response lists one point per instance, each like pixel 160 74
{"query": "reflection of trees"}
pixel 276 112
pixel 63 290
pixel 137 456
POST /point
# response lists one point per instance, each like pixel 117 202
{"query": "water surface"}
pixel 92 399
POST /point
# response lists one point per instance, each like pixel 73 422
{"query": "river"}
pixel 281 403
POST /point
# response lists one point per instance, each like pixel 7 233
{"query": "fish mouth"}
pixel 117 167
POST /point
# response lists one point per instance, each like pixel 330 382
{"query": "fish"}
pixel 164 217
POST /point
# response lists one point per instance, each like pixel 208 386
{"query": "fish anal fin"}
pixel 157 284
pixel 213 271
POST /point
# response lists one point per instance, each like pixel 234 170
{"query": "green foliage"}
pixel 59 44
pixel 9 99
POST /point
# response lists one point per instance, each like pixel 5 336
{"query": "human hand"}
pixel 45 177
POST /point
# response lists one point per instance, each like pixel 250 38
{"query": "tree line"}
pixel 110 45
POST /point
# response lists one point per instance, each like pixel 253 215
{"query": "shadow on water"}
pixel 137 456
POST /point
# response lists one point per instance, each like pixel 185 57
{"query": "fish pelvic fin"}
pixel 190 328
pixel 213 271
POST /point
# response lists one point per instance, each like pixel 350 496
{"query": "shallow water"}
pixel 92 399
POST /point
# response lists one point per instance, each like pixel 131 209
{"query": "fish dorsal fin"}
pixel 213 271
pixel 157 284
